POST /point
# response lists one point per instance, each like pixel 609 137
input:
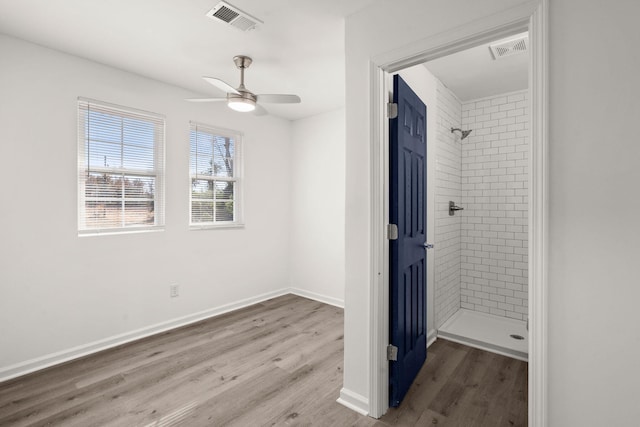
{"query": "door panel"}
pixel 407 263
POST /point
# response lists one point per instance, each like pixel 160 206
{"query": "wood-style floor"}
pixel 277 363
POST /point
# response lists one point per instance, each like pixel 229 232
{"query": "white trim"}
pixel 36 364
pixel 121 108
pixel 530 16
pixel 213 226
pixel 379 295
pixel 539 214
pixel 432 336
pixel 221 131
pixel 475 33
pixel 118 231
pixel 317 297
pixel 353 401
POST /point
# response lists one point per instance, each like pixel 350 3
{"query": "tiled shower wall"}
pixel 494 179
pixel 448 187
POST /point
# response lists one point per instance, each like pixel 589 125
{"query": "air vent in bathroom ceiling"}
pixel 233 16
pixel 510 47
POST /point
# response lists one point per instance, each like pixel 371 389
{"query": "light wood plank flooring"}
pixel 277 363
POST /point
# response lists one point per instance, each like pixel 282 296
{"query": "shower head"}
pixel 465 133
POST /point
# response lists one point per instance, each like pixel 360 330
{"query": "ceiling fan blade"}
pixel 224 86
pixel 278 98
pixel 205 99
pixel 260 111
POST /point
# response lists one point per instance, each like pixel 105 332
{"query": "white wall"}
pixel 592 276
pixel 317 213
pixel 594 281
pixel 60 291
pixel 495 183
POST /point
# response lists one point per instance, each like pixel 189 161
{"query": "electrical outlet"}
pixel 174 291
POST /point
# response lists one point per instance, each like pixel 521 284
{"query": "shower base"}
pixel 487 332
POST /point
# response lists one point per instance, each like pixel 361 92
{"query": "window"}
pixel 120 169
pixel 215 176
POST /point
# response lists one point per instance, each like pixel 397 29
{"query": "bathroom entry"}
pixel 449 165
pixel 482 147
pixel 473 284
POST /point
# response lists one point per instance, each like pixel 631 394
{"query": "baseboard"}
pixel 354 401
pixel 52 359
pixel 317 297
pixel 432 336
pixel 36 364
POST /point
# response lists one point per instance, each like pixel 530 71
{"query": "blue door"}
pixel 407 263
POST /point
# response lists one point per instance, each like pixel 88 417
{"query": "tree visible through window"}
pixel 214 170
pixel 120 168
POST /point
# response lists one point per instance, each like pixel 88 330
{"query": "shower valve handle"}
pixel 453 208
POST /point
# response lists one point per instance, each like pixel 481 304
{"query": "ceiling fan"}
pixel 242 99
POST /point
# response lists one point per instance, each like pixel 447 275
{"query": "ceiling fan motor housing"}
pixel 242 95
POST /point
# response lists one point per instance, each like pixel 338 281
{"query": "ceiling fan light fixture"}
pixel 244 105
pixel 243 100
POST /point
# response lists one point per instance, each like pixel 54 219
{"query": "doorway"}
pixel 537 232
pixel 481 185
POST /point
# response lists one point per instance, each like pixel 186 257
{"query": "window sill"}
pixel 93 233
pixel 193 227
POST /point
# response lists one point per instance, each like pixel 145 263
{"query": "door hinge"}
pixel 392 232
pixel 392 110
pixel 392 352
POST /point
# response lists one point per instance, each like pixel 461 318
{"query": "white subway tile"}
pixel 493 172
pixel 513 112
pixel 499 100
pixel 516 97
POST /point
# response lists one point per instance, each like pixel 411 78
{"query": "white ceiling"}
pixel 473 73
pixel 299 48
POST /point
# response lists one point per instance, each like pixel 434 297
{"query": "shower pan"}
pixel 497 334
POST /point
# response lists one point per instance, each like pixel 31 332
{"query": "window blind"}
pixel 214 167
pixel 120 168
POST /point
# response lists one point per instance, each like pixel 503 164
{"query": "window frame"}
pixel 238 169
pixel 158 173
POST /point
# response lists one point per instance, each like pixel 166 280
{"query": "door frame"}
pixel 531 16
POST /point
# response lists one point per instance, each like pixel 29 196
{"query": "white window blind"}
pixel 120 168
pixel 215 164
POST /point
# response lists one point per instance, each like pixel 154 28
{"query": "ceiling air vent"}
pixel 509 47
pixel 233 16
